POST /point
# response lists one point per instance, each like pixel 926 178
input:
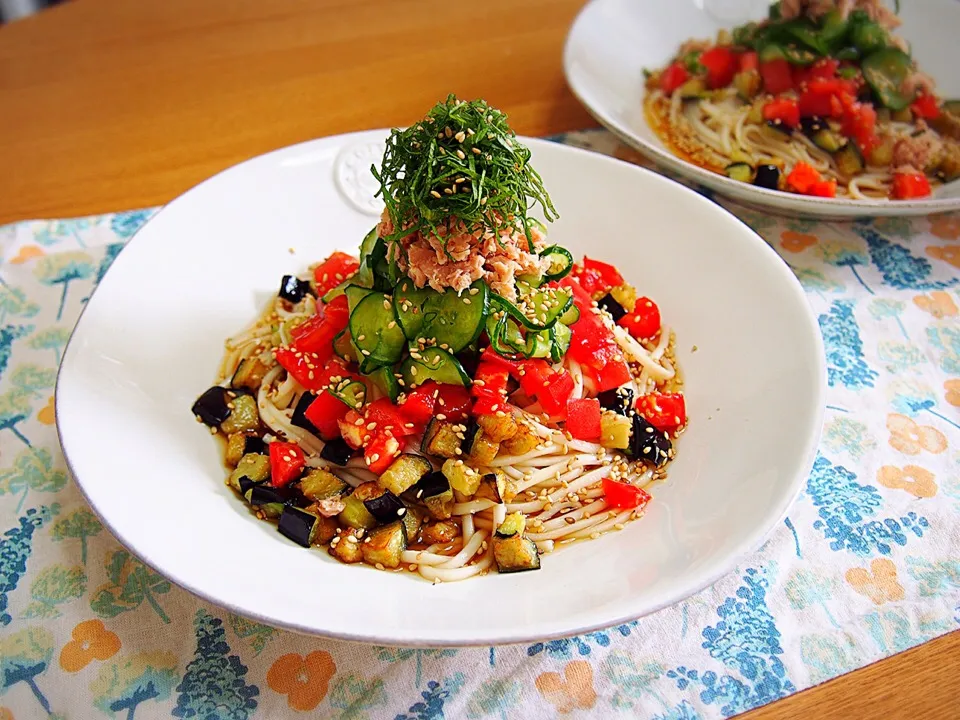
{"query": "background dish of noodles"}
pixel 754 389
pixel 612 41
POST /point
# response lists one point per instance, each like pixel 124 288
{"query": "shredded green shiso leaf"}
pixel 461 163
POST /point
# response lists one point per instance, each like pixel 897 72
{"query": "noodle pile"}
pixel 557 485
pixel 715 133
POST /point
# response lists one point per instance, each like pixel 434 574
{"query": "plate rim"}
pixel 752 541
pixel 803 205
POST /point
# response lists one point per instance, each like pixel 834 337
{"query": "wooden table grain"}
pixel 111 104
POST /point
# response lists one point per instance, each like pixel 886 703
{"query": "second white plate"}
pixel 612 41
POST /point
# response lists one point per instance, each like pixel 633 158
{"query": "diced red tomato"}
pixel 453 402
pixel 418 406
pixel 824 68
pixel 380 451
pixel 926 107
pixel 721 64
pixel 644 321
pixel 286 463
pixel 609 275
pixel 826 97
pixel 859 124
pixel 492 357
pixel 665 411
pixel 325 413
pixel 318 333
pixel 611 370
pixel 782 110
pixel 387 417
pixel 588 335
pixel 907 186
pixel 673 77
pixel 776 76
pixel 824 188
pixel 489 404
pixel 590 280
pixel 490 378
pixel 623 495
pixel 803 177
pixel 554 395
pixel 353 429
pixel 333 271
pixel 305 367
pixel 583 419
pixel 749 61
pixel 534 376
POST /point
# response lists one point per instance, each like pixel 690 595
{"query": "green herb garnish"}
pixel 461 164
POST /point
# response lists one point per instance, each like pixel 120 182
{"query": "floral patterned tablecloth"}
pixel 867 563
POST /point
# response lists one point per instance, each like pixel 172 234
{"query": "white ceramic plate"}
pixel 151 338
pixel 612 41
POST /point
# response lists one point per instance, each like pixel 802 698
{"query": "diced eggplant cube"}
pixel 319 485
pixel 620 400
pixel 404 473
pixel 336 451
pixel 441 439
pixel 412 522
pixel 462 477
pixel 768 176
pixel 244 416
pixel 293 289
pixel 440 531
pixel 615 309
pixel 346 550
pixel 386 508
pixel 211 407
pixel 649 443
pixel 498 428
pixel 355 514
pixel 297 525
pixel 236 448
pixel 299 418
pixel 255 445
pixel 246 485
pixel 515 554
pixel 253 466
pixel 384 545
pixel 492 487
pixel 521 443
pixel 433 483
pixel 482 450
pixel 263 495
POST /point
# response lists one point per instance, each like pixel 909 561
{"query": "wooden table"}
pixel 111 104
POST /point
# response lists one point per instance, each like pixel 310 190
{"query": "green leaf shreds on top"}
pixel 461 164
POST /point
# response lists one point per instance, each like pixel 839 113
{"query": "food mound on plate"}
pixel 462 396
pixel 820 99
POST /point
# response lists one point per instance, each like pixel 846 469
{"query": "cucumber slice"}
pixel 561 262
pixel 538 308
pixel 560 337
pixel 433 364
pixel 447 318
pixel 374 329
pixel 885 71
pixel 355 295
pixel 343 347
pixel 386 380
pixel 570 316
pixel 364 276
pixel 505 336
pixel 351 392
pixel 539 345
